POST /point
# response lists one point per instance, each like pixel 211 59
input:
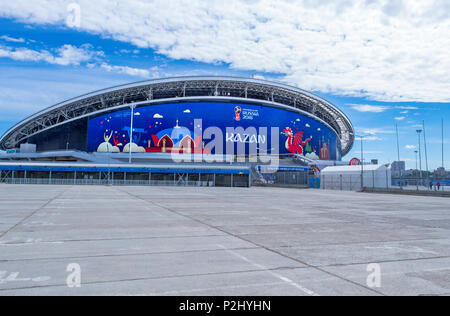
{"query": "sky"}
pixel 383 63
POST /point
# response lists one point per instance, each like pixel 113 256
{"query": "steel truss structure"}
pixel 187 89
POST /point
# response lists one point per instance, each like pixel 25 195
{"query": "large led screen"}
pixel 175 127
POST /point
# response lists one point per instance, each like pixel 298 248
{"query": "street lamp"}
pixel 415 151
pixel 420 153
pixel 398 152
pixel 362 161
pixel 132 107
pixel 417 183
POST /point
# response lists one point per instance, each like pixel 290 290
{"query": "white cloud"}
pixel 407 107
pixel 187 111
pixel 369 108
pixel 374 131
pixel 158 116
pixel 369 138
pixel 127 70
pixel 369 152
pixel 258 77
pixel 12 39
pixel 64 56
pixel 69 55
pixel 381 108
pixel 410 147
pixel 382 49
pixel 399 118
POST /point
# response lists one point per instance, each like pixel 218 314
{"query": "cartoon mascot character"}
pixel 295 143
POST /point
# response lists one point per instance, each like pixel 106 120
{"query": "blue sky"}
pixel 375 73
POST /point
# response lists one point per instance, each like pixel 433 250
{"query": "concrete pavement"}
pixel 220 241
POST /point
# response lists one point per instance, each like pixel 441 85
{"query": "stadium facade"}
pixel 169 113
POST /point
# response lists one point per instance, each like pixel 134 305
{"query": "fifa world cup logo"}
pixel 238 112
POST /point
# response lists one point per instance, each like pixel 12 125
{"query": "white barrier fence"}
pixel 373 179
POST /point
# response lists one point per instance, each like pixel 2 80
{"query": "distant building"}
pixel 409 172
pixel 441 171
pixel 398 168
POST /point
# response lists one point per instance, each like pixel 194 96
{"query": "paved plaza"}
pixel 220 241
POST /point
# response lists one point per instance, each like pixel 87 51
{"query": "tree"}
pixel 308 148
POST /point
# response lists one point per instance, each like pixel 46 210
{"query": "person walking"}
pixel 439 186
pixel 431 185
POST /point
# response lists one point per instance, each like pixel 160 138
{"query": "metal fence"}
pixel 338 182
pixel 296 178
pixel 126 179
pixel 109 182
pixel 422 184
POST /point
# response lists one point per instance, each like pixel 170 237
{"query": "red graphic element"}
pixel 295 142
pixel 186 146
pixel 355 162
pixel 155 140
pixel 165 140
pixel 116 140
pixel 101 123
pixel 324 149
pixel 238 111
pixel 315 169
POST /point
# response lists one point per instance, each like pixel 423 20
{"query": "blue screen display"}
pixel 174 127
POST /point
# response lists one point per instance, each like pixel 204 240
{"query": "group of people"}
pixel 431 184
pixel 437 187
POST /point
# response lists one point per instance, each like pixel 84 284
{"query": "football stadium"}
pixel 132 132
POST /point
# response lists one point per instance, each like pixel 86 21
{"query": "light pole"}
pixel 362 161
pixel 109 167
pixel 443 164
pixel 420 153
pixel 417 169
pixel 417 183
pixel 132 107
pixel 425 145
pixel 398 150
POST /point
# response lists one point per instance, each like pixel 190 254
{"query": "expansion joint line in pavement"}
pixel 255 244
pixel 86 283
pixel 33 213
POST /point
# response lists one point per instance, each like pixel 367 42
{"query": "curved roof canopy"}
pixel 179 89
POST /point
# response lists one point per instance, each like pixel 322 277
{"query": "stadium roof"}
pixel 181 89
